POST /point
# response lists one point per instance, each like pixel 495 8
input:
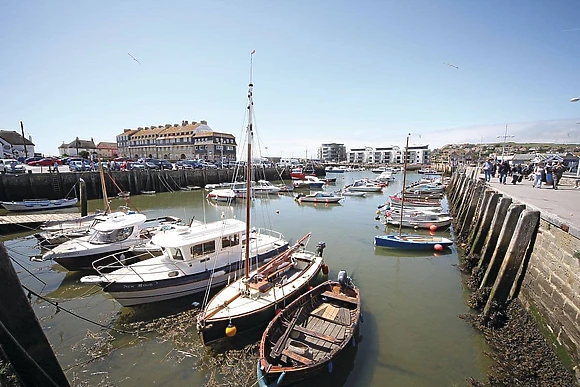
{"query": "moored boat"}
pixel 318 197
pixel 39 204
pixel 193 259
pixel 310 333
pixel 412 242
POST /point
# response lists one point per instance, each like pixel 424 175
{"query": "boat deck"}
pixel 32 221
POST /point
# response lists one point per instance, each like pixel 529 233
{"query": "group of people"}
pixel 539 173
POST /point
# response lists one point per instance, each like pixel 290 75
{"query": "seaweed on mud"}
pixel 232 365
pixel 521 355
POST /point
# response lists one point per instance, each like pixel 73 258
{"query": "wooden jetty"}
pixel 31 221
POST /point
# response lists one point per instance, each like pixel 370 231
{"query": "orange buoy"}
pixel 438 247
pixel 433 227
pixel 325 269
pixel 231 330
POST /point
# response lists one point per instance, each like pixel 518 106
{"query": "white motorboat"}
pixel 318 197
pixel 364 185
pixel 418 219
pixel 192 260
pixel 222 194
pixel 264 187
pixel 116 235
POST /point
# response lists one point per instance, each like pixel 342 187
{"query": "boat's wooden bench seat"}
pixel 340 297
pixel 297 357
pixel 317 335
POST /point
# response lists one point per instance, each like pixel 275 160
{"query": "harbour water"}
pixel 411 335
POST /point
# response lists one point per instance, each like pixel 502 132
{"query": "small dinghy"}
pixel 312 331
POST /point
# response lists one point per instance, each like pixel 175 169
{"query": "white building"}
pixel 417 154
pixel 333 152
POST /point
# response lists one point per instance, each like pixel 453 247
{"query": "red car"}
pixel 46 162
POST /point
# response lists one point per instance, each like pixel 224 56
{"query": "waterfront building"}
pixel 107 150
pixel 333 152
pixel 196 140
pixel 417 154
pixel 13 144
pixel 76 146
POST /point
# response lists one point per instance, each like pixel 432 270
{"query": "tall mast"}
pixel 404 184
pixel 250 135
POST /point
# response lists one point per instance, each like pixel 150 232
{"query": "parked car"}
pixel 152 163
pixel 11 166
pixel 208 165
pixel 79 165
pixel 33 158
pixel 165 164
pixel 135 165
pixel 45 162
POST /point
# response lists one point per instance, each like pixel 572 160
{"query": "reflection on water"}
pixel 411 335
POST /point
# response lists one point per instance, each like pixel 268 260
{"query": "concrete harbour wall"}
pixel 56 185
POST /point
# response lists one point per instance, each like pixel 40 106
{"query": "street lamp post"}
pixel 576 99
pixel 505 137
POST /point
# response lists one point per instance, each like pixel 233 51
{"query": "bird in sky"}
pixel 135 59
pixel 450 65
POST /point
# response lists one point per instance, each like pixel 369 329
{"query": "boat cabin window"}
pixel 203 248
pixel 178 255
pixel 230 240
pixel 112 236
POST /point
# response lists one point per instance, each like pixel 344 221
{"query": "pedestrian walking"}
pixel 487 169
pixel 504 169
pixel 538 172
pixel 557 172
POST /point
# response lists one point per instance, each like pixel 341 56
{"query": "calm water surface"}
pixel 411 335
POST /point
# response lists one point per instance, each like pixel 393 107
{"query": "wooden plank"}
pixel 36 218
pixel 281 343
pixel 340 297
pixel 332 321
pixel 317 335
pixel 297 357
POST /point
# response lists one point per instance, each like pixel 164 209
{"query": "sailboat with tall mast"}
pixel 252 300
pixel 408 241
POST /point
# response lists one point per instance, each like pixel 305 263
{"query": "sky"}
pixel 361 73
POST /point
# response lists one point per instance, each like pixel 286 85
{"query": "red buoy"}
pixel 438 247
pixel 325 269
pixel 433 227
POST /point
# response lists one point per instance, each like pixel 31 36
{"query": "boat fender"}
pixel 281 378
pixel 330 367
pixel 362 320
pixel 231 330
pixel 320 248
pixel 325 269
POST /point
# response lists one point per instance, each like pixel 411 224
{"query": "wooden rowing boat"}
pixel 306 336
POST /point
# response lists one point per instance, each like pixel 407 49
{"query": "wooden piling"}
pixel 21 335
pixel 479 233
pixel 493 236
pixel 471 216
pixel 507 276
pixel 83 197
pixel 505 236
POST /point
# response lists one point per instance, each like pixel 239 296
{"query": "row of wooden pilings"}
pixel 497 234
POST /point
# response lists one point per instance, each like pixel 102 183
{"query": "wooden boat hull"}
pixel 411 242
pixel 309 334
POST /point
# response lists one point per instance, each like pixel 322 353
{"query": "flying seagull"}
pixel 135 59
pixel 450 65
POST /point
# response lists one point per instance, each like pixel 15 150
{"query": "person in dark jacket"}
pixel 557 172
pixel 504 169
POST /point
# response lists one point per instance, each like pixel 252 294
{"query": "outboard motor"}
pixel 320 248
pixel 344 280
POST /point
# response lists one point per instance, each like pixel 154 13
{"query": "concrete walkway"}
pixel 560 207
